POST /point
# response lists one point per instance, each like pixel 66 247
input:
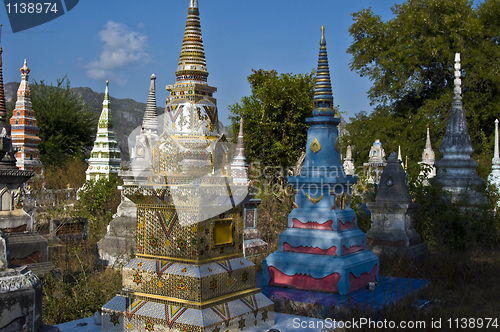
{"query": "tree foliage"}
pixel 274 116
pixel 410 61
pixel 66 124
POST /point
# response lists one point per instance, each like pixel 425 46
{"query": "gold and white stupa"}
pixel 189 273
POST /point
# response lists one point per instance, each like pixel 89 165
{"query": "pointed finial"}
pixel 106 94
pixel 24 69
pixel 399 153
pixel 153 77
pixel 323 40
pixel 193 4
pixel 458 81
pixel 323 98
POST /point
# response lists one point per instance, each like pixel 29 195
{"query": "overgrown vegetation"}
pixel 410 62
pixel 85 286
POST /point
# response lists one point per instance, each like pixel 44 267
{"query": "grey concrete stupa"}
pixel 392 215
pixel 456 171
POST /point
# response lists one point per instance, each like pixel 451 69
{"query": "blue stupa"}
pixel 322 249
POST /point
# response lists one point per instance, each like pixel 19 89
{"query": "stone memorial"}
pixel 392 215
pixel 456 171
pixel 322 249
pixel 189 273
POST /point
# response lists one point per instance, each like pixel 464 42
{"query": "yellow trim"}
pixel 314 200
pixel 315 146
pixel 204 303
pixel 196 261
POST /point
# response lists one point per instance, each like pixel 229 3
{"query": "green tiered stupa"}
pixel 189 273
pixel 105 156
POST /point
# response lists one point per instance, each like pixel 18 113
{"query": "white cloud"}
pixel 122 48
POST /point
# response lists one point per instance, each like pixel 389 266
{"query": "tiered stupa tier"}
pixel 24 128
pixel 456 171
pixel 189 273
pixel 322 249
pixel 105 156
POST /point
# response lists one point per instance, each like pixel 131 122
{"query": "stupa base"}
pixel 127 314
pixel 324 273
pixel 418 251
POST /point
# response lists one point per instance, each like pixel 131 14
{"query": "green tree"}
pixel 274 117
pixel 67 125
pixel 410 61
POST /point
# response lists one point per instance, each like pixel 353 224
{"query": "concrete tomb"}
pixel 392 215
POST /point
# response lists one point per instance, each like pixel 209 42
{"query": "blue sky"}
pixel 125 41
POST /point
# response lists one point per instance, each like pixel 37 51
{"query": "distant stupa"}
pixel 24 129
pixel 105 155
pixel 456 171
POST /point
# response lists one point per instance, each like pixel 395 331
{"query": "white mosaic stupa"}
pixel 105 155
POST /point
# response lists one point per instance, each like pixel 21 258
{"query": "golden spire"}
pixel 192 65
pixel 323 98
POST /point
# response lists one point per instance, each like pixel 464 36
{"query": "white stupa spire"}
pixel 494 177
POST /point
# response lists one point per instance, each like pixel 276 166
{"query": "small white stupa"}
pixel 376 162
pixel 494 177
pixel 349 162
pixel 428 160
